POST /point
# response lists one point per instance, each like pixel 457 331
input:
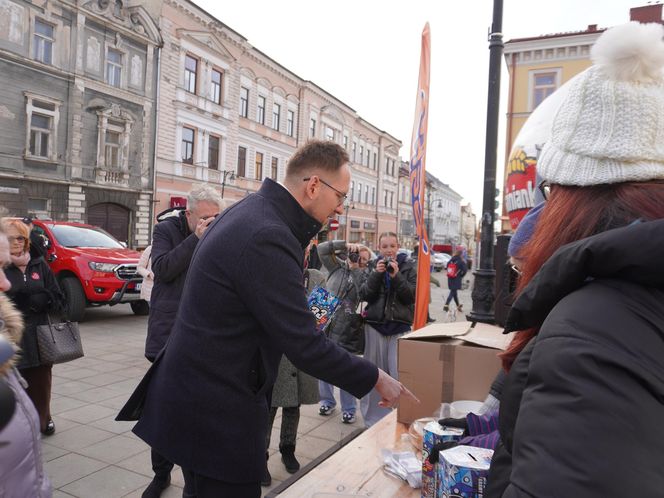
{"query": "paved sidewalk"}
pixel 93 456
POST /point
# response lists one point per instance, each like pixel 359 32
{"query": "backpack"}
pixel 452 270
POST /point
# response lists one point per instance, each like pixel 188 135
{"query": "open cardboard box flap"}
pixel 447 362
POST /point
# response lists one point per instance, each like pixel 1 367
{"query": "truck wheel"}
pixel 75 299
pixel 140 308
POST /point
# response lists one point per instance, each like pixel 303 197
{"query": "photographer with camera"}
pixel 389 291
pixel 346 264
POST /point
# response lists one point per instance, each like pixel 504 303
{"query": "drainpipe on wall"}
pixel 156 137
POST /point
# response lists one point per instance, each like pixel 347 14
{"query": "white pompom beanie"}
pixel 610 126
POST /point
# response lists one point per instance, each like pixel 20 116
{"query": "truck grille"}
pixel 126 272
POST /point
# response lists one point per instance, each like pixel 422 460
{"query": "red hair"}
pixel 574 213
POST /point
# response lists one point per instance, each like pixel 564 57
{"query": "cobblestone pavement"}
pixel 93 456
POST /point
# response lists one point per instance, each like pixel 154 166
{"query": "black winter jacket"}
pixel 582 407
pixel 35 294
pixel 393 304
pixel 173 246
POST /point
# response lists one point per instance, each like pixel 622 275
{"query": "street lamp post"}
pixel 483 288
pixel 226 173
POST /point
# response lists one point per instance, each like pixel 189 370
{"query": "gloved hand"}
pixel 459 423
pixel 438 447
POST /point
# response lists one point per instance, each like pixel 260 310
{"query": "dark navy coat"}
pixel 243 305
pixel 173 246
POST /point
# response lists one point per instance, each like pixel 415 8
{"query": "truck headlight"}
pixel 102 267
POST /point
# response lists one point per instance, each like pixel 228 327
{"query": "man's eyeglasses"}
pixel 545 189
pixel 342 197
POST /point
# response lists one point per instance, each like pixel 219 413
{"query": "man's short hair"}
pixel 203 193
pixel 325 155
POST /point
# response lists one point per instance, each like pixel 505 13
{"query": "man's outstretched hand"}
pixel 391 390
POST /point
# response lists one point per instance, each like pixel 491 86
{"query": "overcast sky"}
pixel 366 53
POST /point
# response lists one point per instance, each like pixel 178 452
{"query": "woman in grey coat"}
pixel 292 389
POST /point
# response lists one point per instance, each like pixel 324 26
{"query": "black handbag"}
pixel 59 342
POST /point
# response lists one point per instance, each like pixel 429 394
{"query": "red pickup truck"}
pixel 92 268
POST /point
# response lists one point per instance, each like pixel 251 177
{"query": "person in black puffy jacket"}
pixel 389 291
pixel 582 406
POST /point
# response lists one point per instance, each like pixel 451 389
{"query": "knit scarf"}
pixel 22 260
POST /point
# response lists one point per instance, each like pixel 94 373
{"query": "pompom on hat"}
pixel 610 126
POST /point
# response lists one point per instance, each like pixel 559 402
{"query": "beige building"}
pixel 231 116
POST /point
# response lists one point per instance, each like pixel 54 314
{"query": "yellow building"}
pixel 537 67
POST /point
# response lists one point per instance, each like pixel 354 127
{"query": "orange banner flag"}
pixel 418 181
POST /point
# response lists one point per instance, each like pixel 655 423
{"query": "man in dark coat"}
pixel 173 243
pixel 242 307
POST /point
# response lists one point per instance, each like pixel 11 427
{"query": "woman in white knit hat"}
pixel 582 412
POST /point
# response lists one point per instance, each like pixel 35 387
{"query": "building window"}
pixel 40 135
pixel 290 123
pixel 275 168
pixel 276 116
pixel 368 157
pixel 259 165
pixel 373 196
pixel 42 120
pixel 112 145
pixel 366 194
pixel 213 152
pixel 114 67
pixel 216 86
pixel 359 192
pixel 312 128
pixel 188 145
pixel 345 142
pixel 260 115
pixel 37 205
pixel 387 165
pixel 190 72
pixel 544 84
pixel 361 154
pixel 43 42
pixel 242 161
pixel 385 198
pixel 375 163
pixel 354 149
pixel 244 102
pixel 329 133
pixel 352 190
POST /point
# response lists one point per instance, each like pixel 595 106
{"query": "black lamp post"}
pixel 483 288
pixel 223 181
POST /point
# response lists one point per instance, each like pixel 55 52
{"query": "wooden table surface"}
pixel 356 469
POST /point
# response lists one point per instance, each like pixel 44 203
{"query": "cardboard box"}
pixel 447 362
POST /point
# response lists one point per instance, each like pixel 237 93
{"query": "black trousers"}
pixel 206 487
pixel 161 467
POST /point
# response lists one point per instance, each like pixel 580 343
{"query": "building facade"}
pixel 232 116
pixel 77 112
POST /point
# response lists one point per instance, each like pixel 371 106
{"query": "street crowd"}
pixel 235 331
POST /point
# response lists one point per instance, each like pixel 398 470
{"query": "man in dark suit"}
pixel 173 243
pixel 242 307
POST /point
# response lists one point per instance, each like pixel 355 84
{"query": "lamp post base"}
pixel 483 296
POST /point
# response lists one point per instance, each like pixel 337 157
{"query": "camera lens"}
pixel 354 257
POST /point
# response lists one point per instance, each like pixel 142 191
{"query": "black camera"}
pixel 387 261
pixel 354 257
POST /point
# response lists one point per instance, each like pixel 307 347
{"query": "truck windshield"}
pixel 71 236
